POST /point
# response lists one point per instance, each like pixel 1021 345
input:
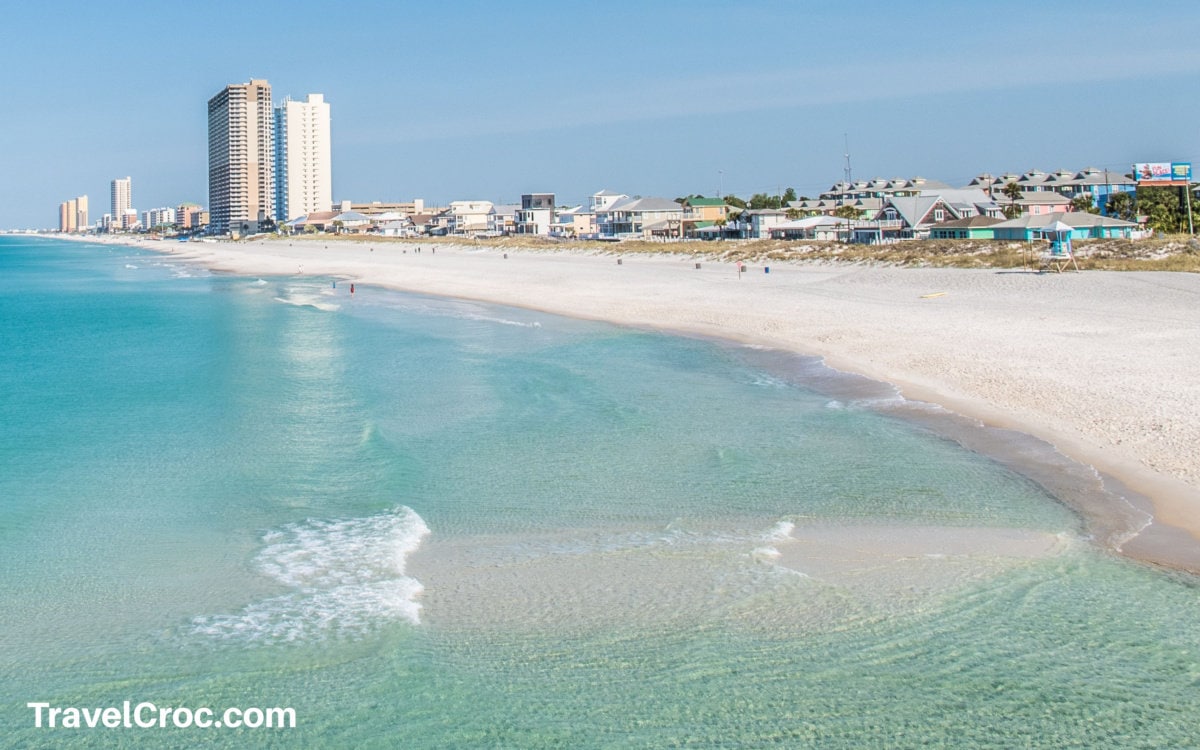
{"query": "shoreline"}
pixel 1037 355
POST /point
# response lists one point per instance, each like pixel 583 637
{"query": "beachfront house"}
pixel 468 217
pixel 639 217
pixel 502 219
pixel 758 222
pixel 827 228
pixel 536 214
pixel 397 228
pixel 577 222
pixel 915 216
pixel 969 228
pixel 1083 225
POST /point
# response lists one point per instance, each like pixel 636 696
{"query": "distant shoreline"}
pixel 1097 364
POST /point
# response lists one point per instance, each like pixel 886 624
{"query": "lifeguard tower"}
pixel 1059 254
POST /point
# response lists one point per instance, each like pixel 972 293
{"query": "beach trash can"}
pixel 766 269
pixel 697 265
pixel 618 261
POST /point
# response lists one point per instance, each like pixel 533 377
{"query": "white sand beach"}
pixel 1103 365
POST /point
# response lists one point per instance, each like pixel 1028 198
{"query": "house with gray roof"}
pixel 634 216
pixel 1083 226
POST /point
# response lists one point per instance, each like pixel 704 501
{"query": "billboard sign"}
pixel 1162 173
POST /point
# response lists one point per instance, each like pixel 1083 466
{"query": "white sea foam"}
pixel 131 266
pixel 780 531
pixel 258 282
pixel 303 300
pixel 347 578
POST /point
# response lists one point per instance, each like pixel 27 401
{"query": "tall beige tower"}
pixel 67 213
pixel 241 164
pixel 303 177
pixel 81 213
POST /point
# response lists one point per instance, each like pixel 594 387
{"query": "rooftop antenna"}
pixel 849 180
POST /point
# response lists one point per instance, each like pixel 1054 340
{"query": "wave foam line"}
pixel 347 575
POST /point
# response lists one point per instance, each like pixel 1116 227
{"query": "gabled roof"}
pixel 912 209
pixel 645 204
pixel 811 222
pixel 1075 219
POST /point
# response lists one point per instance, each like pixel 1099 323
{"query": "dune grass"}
pixel 1169 253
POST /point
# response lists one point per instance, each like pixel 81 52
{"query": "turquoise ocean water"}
pixel 431 523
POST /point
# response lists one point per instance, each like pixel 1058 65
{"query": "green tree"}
pixel 789 195
pixel 1084 203
pixel 1122 205
pixel 1012 191
pixel 1162 208
pixel 762 200
pixel 736 202
pixel 848 212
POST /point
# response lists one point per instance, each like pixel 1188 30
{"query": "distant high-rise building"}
pixel 73 214
pixel 122 195
pixel 241 171
pixel 67 216
pixel 159 217
pixel 303 179
pixel 187 216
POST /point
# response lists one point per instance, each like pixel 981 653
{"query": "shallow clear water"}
pixel 432 523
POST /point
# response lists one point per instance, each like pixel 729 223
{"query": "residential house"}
pixel 829 228
pixel 468 217
pixel 397 228
pixel 699 213
pixel 318 221
pixel 640 216
pixel 758 222
pixel 1083 225
pixel 969 228
pixel 502 219
pixel 578 222
pixel 536 214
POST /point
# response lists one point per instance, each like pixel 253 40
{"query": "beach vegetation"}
pixel 1162 208
pixel 1084 203
pixel 1123 206
pixel 1174 252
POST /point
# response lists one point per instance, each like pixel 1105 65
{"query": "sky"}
pixel 469 100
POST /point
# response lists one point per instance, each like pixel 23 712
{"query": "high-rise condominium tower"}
pixel 303 182
pixel 241 174
pixel 122 195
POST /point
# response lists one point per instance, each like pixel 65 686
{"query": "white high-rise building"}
pixel 303 175
pixel 122 195
pixel 241 157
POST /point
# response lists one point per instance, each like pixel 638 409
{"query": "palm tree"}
pixel 1013 192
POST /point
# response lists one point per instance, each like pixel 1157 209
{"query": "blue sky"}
pixel 487 100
